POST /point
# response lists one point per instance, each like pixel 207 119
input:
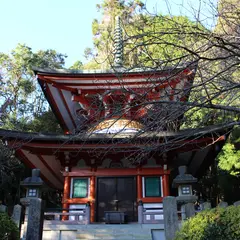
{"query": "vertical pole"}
pixel 165 180
pixel 140 212
pixel 92 196
pixel 88 213
pixel 139 199
pixel 66 195
pixel 139 187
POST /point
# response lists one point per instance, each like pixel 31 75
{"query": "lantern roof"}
pixel 35 180
pixel 183 177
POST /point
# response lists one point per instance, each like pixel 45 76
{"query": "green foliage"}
pixel 48 59
pixel 229 186
pixel 23 107
pixel 101 55
pixel 149 40
pixel 229 158
pixel 8 229
pixel 20 93
pixel 45 122
pixel 214 224
pixel 229 16
pixel 91 65
pixel 78 65
pixel 11 172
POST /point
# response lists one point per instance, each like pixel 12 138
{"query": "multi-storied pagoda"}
pixel 114 152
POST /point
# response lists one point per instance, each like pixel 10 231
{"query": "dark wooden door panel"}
pixel 116 194
pixel 106 195
pixel 126 195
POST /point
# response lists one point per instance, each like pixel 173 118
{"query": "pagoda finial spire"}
pixel 118 44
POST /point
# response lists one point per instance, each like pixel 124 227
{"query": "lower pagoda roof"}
pixel 83 137
pixel 195 148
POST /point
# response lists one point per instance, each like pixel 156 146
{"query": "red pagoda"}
pixel 114 153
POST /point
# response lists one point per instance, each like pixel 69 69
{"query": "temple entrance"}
pixel 116 194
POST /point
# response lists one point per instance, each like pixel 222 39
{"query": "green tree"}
pixel 218 223
pixel 149 41
pixel 11 172
pixel 78 65
pixel 229 158
pixel 24 108
pixel 8 229
pixel 20 94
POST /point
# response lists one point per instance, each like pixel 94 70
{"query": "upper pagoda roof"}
pixel 116 71
pixel 71 92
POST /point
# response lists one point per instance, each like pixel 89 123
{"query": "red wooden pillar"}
pixel 165 180
pixel 66 194
pixel 92 197
pixel 139 187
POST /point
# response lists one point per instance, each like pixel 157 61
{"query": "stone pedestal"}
pixel 189 210
pixel 170 217
pixel 35 220
pixel 223 204
pixel 140 212
pixel 206 205
pixel 88 213
pixel 16 216
pixel 25 202
pixel 237 203
pixel 3 208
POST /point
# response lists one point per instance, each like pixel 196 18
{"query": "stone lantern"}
pixel 184 183
pixel 185 198
pixel 33 186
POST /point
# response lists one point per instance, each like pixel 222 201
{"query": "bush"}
pixel 214 224
pixel 8 229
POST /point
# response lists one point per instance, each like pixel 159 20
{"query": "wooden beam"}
pixel 165 183
pixel 66 195
pixel 152 200
pixel 92 196
pixel 77 200
pixel 139 187
pixel 102 172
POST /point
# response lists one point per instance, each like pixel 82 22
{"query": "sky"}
pixel 63 25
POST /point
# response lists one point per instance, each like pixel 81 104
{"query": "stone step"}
pixel 114 234
pixel 103 232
